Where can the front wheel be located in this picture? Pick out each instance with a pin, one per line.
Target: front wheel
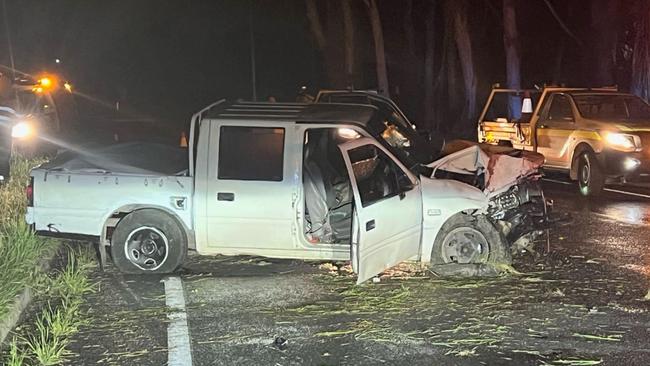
(591, 179)
(469, 240)
(148, 241)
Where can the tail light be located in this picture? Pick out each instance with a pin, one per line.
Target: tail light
(29, 192)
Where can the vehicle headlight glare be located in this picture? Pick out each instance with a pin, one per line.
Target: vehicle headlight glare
(630, 163)
(348, 133)
(620, 141)
(21, 130)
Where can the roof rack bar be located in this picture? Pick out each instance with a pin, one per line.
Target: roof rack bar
(196, 119)
(247, 115)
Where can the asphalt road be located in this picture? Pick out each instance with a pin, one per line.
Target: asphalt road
(580, 304)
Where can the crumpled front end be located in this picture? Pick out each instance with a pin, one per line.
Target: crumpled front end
(521, 213)
(510, 180)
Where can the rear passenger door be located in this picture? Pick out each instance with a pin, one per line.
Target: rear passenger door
(250, 190)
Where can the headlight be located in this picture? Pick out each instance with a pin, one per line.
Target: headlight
(622, 142)
(21, 130)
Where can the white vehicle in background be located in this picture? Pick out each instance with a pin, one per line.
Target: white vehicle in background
(306, 181)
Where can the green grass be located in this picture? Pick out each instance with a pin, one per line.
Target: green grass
(21, 253)
(16, 357)
(20, 249)
(46, 347)
(13, 202)
(45, 342)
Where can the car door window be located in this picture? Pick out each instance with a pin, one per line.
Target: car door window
(560, 110)
(251, 153)
(378, 177)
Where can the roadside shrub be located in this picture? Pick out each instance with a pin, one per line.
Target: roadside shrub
(20, 252)
(20, 249)
(13, 203)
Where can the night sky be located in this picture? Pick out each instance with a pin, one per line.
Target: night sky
(165, 59)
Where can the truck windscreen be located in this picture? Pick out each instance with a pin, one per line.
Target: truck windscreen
(612, 107)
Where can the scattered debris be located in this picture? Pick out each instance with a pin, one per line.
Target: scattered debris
(281, 343)
(575, 362)
(613, 337)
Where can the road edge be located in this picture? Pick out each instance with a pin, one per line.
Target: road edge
(24, 298)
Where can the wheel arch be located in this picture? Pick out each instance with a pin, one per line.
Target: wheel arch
(112, 220)
(580, 148)
(431, 232)
(499, 246)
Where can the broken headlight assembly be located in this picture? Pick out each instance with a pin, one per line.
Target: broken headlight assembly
(503, 202)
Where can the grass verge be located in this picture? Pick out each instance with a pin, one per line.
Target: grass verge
(20, 250)
(45, 341)
(21, 254)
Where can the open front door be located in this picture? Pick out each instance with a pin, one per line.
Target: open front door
(388, 208)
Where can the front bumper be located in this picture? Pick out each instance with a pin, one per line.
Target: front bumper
(629, 166)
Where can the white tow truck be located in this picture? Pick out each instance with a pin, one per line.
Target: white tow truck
(306, 181)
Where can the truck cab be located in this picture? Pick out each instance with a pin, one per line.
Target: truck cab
(597, 136)
(315, 182)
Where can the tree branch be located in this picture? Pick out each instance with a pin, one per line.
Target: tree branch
(562, 24)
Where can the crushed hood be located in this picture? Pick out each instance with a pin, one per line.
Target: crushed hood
(501, 165)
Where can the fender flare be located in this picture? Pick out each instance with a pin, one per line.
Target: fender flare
(124, 210)
(430, 233)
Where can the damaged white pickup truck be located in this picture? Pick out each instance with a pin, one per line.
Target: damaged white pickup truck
(307, 181)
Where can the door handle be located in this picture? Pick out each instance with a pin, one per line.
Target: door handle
(225, 196)
(370, 225)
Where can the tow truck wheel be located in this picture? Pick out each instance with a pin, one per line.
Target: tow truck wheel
(466, 239)
(148, 241)
(591, 179)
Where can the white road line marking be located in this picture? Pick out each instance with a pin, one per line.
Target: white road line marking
(605, 189)
(179, 352)
(628, 193)
(556, 181)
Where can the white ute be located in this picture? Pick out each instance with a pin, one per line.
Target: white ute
(277, 180)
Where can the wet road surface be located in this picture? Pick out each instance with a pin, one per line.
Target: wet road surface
(580, 304)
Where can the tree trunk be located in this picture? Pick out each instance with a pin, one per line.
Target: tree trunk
(511, 45)
(409, 31)
(429, 64)
(380, 55)
(315, 24)
(641, 56)
(348, 42)
(464, 46)
(604, 28)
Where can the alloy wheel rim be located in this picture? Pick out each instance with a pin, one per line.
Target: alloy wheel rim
(147, 248)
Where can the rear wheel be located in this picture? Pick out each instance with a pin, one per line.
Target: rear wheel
(591, 179)
(148, 241)
(466, 239)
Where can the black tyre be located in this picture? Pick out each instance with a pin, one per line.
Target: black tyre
(591, 179)
(148, 241)
(466, 239)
